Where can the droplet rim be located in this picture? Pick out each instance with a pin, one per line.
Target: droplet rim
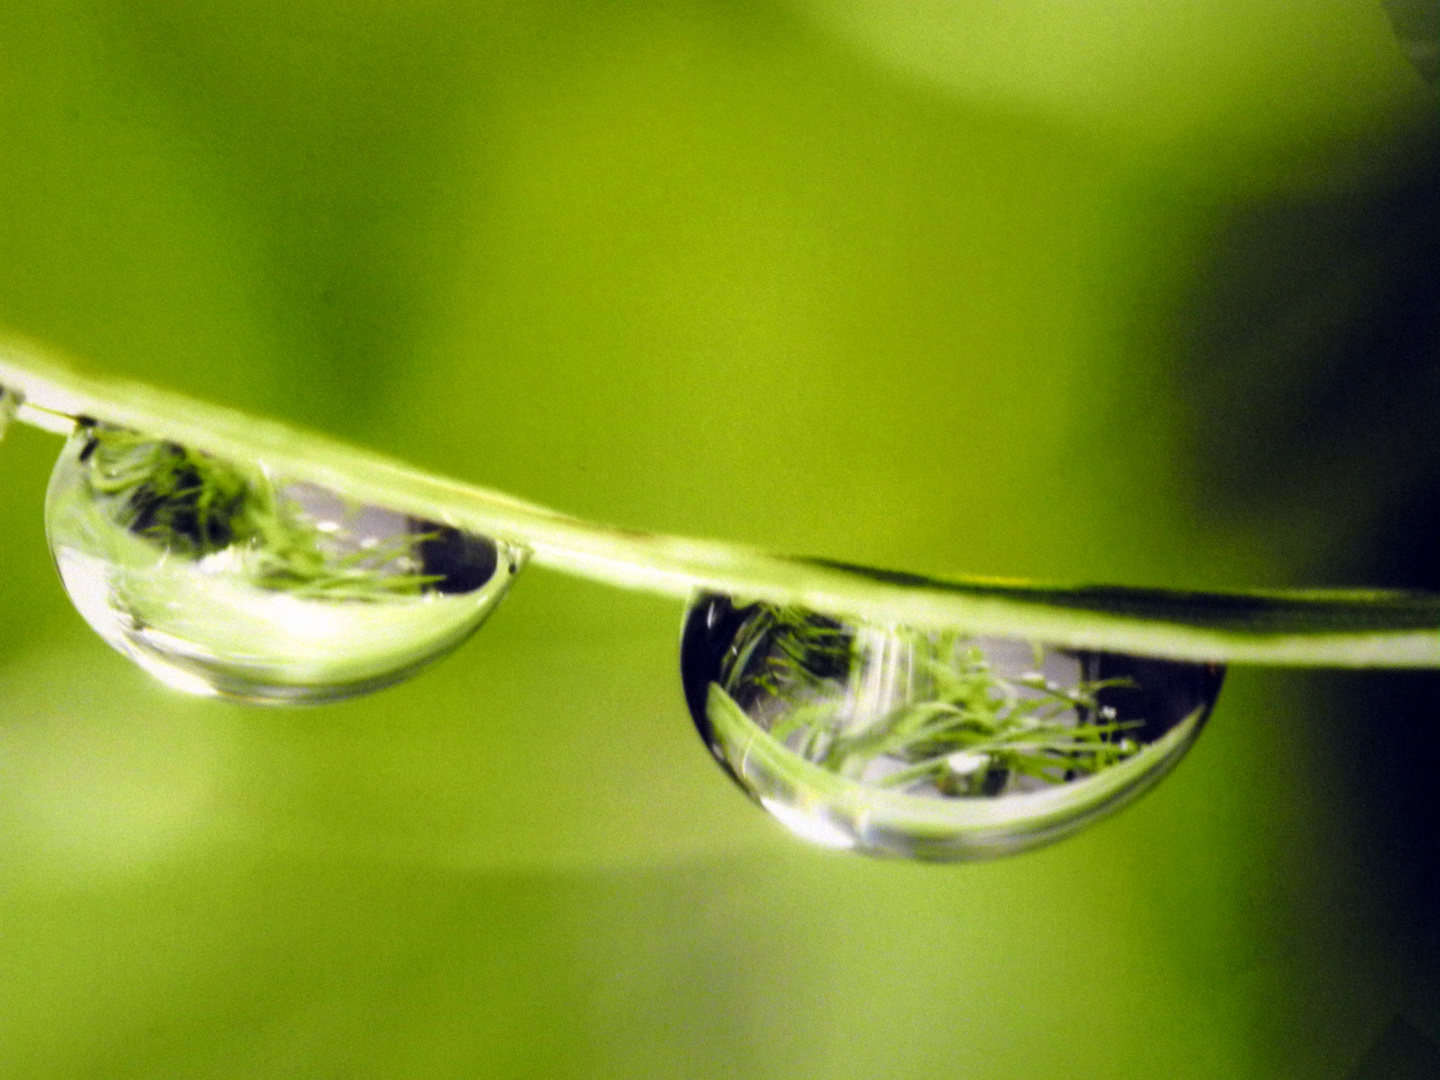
(940, 829)
(885, 822)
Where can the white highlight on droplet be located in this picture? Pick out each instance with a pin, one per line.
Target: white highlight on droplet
(815, 829)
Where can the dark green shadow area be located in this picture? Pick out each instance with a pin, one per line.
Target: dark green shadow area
(1400, 1053)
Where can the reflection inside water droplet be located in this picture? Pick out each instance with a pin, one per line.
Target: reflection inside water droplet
(221, 579)
(930, 744)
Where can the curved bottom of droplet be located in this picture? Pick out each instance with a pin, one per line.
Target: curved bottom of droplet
(1163, 705)
(264, 661)
(252, 688)
(835, 812)
(222, 580)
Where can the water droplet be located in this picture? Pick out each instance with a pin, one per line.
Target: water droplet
(220, 579)
(930, 744)
(10, 402)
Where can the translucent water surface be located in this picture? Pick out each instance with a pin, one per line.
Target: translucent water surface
(222, 579)
(930, 744)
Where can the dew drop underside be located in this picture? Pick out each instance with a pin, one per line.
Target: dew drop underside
(219, 578)
(930, 744)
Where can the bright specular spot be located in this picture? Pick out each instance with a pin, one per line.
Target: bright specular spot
(930, 744)
(808, 827)
(218, 578)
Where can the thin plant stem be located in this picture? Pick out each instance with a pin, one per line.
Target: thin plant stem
(1341, 628)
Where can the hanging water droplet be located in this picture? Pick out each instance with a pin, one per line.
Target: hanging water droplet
(10, 402)
(929, 744)
(220, 579)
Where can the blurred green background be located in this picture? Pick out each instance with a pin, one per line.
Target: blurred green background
(1114, 291)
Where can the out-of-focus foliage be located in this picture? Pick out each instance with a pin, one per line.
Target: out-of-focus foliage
(1125, 292)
